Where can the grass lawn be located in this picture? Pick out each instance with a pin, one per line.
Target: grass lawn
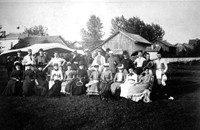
(81, 112)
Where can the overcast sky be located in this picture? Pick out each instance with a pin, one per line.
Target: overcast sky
(179, 19)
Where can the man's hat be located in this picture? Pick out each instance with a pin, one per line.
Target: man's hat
(69, 64)
(19, 51)
(55, 64)
(120, 66)
(81, 64)
(86, 50)
(29, 65)
(29, 50)
(17, 63)
(8, 57)
(110, 52)
(40, 50)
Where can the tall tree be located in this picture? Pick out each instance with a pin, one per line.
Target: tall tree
(93, 35)
(36, 30)
(136, 26)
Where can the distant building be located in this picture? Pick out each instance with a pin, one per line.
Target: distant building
(164, 47)
(10, 40)
(31, 40)
(125, 41)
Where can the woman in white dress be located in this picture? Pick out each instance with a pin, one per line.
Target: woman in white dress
(131, 79)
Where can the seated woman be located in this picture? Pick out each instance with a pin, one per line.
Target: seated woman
(131, 79)
(69, 76)
(55, 83)
(78, 86)
(93, 85)
(106, 81)
(119, 79)
(28, 84)
(14, 86)
(41, 84)
(142, 89)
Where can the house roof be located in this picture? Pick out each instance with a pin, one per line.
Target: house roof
(153, 49)
(45, 39)
(15, 36)
(134, 37)
(164, 42)
(193, 41)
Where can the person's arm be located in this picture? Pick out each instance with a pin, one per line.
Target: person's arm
(166, 67)
(63, 61)
(61, 75)
(115, 77)
(65, 75)
(52, 73)
(50, 62)
(111, 76)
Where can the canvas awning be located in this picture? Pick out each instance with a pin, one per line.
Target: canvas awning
(46, 47)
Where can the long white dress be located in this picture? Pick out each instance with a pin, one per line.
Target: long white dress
(131, 79)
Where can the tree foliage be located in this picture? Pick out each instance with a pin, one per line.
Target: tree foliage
(37, 30)
(93, 35)
(135, 25)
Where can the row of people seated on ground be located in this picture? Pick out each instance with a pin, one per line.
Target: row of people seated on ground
(90, 82)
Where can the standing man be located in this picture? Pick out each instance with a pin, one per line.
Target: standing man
(88, 58)
(56, 60)
(127, 62)
(161, 68)
(148, 63)
(75, 60)
(139, 62)
(100, 60)
(113, 62)
(28, 60)
(41, 59)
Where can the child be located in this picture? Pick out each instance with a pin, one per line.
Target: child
(55, 83)
(119, 78)
(69, 76)
(14, 86)
(92, 86)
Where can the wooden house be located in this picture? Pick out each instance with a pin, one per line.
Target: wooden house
(164, 47)
(125, 41)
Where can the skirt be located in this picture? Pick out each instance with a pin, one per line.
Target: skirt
(105, 90)
(28, 87)
(13, 88)
(66, 86)
(78, 89)
(42, 88)
(139, 92)
(55, 89)
(114, 87)
(139, 70)
(93, 88)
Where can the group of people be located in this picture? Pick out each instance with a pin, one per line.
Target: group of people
(107, 76)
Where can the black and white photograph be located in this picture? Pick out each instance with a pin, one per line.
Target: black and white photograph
(99, 65)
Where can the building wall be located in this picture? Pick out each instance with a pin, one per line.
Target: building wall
(6, 44)
(122, 42)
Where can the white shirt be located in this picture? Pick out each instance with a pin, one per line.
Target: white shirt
(58, 60)
(28, 60)
(159, 65)
(139, 61)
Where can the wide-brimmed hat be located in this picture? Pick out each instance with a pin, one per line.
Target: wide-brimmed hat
(120, 66)
(29, 65)
(17, 63)
(40, 50)
(29, 50)
(19, 51)
(110, 52)
(106, 65)
(81, 64)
